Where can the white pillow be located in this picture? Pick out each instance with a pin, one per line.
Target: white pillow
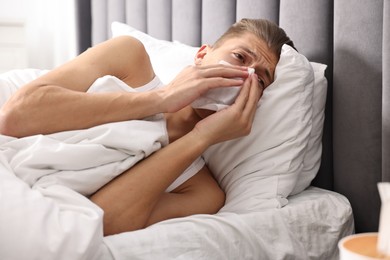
(312, 160)
(262, 169)
(283, 164)
(167, 58)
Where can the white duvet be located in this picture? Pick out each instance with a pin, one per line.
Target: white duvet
(44, 216)
(82, 160)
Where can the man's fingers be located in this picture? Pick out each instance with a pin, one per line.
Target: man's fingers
(223, 71)
(255, 92)
(248, 98)
(223, 82)
(243, 96)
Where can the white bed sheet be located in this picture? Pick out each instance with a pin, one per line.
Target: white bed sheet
(309, 227)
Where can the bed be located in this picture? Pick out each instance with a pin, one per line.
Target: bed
(338, 195)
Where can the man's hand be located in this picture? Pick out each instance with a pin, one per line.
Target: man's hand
(194, 81)
(234, 121)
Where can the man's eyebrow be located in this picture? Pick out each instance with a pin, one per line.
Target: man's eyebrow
(254, 55)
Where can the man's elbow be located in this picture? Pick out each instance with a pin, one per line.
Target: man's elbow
(8, 125)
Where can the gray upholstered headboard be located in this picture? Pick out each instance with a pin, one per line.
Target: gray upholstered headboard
(351, 36)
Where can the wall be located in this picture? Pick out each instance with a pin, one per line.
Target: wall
(37, 33)
(13, 52)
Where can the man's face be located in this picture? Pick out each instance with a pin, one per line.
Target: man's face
(246, 50)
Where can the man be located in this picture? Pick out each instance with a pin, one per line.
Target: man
(137, 198)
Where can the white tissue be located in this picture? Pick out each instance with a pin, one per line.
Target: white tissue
(384, 224)
(219, 98)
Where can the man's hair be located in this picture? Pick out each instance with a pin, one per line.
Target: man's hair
(271, 33)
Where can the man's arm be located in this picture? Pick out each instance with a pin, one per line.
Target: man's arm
(57, 101)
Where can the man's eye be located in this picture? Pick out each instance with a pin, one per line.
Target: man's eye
(240, 57)
(261, 83)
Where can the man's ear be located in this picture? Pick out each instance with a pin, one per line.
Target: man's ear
(201, 53)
